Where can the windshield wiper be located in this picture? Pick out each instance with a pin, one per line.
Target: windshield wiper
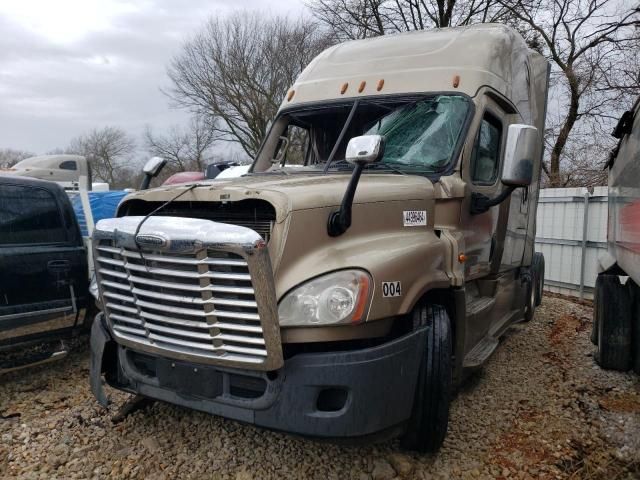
(340, 137)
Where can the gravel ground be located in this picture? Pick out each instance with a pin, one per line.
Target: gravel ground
(540, 408)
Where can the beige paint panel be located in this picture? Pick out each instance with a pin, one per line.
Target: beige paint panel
(424, 61)
(299, 191)
(377, 242)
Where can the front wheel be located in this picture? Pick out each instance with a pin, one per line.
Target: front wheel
(427, 426)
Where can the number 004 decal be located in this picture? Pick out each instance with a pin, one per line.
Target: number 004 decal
(391, 289)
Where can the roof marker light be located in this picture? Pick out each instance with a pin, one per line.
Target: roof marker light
(344, 88)
(456, 81)
(380, 84)
(362, 85)
(290, 96)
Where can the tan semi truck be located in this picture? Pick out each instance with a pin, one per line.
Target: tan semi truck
(346, 297)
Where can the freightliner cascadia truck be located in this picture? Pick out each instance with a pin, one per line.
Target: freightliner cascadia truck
(375, 252)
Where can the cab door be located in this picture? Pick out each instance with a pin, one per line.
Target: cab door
(483, 231)
(42, 263)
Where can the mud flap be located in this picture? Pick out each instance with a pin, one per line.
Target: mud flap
(99, 337)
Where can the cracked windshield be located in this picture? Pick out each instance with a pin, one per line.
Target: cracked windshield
(421, 134)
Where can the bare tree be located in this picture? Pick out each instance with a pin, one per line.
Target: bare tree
(9, 157)
(238, 70)
(592, 45)
(109, 150)
(353, 19)
(184, 149)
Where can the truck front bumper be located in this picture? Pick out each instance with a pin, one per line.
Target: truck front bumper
(335, 394)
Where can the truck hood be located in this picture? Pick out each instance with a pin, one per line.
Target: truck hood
(292, 192)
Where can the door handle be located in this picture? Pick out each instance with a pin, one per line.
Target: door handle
(58, 266)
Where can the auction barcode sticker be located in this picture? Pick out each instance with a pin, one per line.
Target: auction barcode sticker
(414, 218)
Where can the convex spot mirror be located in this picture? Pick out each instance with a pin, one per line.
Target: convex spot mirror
(519, 155)
(365, 149)
(153, 166)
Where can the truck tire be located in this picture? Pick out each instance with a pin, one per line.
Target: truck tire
(635, 329)
(530, 307)
(596, 318)
(429, 419)
(537, 266)
(613, 317)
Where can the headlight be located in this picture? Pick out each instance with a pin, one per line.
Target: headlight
(334, 298)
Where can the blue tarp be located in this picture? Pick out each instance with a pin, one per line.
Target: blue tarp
(103, 205)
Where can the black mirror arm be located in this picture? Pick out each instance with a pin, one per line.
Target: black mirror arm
(146, 181)
(481, 203)
(340, 221)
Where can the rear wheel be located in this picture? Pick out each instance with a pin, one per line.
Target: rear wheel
(430, 417)
(613, 311)
(635, 329)
(530, 308)
(537, 267)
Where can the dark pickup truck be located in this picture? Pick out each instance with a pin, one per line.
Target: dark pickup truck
(43, 264)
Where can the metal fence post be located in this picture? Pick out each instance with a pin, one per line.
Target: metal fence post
(583, 259)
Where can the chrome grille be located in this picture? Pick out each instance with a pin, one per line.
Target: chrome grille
(201, 304)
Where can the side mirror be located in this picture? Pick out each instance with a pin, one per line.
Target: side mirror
(153, 166)
(361, 151)
(517, 170)
(151, 169)
(365, 149)
(519, 155)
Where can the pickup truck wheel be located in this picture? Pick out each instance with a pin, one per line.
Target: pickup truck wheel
(537, 267)
(613, 317)
(428, 423)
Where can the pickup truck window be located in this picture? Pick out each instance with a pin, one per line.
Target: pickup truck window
(421, 133)
(29, 215)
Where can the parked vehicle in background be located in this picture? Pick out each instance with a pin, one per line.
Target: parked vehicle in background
(64, 169)
(617, 298)
(348, 295)
(219, 171)
(43, 265)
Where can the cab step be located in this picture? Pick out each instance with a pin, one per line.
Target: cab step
(37, 359)
(478, 305)
(483, 350)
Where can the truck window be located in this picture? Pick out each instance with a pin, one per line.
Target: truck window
(29, 215)
(486, 152)
(68, 165)
(294, 148)
(421, 133)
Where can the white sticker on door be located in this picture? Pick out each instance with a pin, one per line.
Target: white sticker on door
(391, 289)
(414, 218)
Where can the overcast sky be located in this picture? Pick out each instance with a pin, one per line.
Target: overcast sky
(67, 66)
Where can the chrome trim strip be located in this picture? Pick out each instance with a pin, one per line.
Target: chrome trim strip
(37, 312)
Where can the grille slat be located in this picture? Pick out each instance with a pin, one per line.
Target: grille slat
(178, 260)
(191, 300)
(186, 286)
(134, 331)
(199, 304)
(175, 273)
